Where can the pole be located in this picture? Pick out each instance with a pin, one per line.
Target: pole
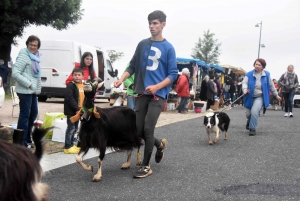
(259, 39)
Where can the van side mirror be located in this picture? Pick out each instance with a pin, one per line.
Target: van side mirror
(116, 73)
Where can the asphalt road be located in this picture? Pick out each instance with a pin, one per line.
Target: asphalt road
(261, 167)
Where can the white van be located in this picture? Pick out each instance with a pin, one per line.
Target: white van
(58, 60)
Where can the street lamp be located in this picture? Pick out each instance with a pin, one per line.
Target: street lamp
(259, 44)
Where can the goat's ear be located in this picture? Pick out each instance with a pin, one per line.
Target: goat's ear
(100, 85)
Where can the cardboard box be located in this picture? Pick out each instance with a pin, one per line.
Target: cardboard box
(215, 106)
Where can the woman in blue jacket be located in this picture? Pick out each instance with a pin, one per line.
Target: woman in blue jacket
(27, 74)
(257, 85)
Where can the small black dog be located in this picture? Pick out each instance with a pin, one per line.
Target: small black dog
(214, 122)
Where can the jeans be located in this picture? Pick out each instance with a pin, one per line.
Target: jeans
(289, 99)
(147, 112)
(253, 113)
(28, 112)
(131, 102)
(182, 104)
(70, 132)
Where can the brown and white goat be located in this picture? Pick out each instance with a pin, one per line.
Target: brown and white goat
(20, 170)
(106, 127)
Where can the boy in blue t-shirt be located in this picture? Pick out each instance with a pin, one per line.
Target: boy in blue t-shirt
(155, 69)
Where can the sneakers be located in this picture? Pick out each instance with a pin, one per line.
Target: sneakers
(29, 146)
(142, 172)
(184, 112)
(276, 107)
(72, 150)
(291, 114)
(252, 132)
(286, 114)
(247, 125)
(160, 151)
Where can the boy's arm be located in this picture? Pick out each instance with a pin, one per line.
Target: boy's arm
(129, 81)
(69, 99)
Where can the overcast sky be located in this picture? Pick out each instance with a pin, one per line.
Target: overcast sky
(119, 25)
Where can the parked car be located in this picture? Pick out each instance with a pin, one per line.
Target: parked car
(2, 93)
(58, 59)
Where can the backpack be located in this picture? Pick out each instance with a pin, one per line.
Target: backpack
(285, 74)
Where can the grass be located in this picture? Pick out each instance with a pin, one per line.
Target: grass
(7, 96)
(53, 147)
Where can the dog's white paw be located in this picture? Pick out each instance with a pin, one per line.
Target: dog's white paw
(97, 177)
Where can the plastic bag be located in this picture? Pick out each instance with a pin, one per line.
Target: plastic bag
(48, 122)
(117, 90)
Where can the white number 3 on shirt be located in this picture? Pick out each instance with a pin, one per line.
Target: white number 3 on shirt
(154, 59)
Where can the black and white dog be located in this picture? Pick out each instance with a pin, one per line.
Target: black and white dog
(214, 122)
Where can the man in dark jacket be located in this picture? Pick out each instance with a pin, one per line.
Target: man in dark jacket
(211, 92)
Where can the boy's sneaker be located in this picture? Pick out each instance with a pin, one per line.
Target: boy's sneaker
(160, 151)
(72, 150)
(291, 114)
(276, 107)
(76, 147)
(142, 172)
(286, 114)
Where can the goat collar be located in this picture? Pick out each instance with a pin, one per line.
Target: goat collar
(89, 112)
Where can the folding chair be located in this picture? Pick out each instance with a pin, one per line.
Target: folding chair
(14, 98)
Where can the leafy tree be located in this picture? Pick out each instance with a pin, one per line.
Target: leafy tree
(207, 49)
(18, 14)
(114, 55)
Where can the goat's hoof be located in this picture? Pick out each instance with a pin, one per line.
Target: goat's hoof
(139, 163)
(215, 141)
(125, 166)
(97, 178)
(225, 138)
(210, 143)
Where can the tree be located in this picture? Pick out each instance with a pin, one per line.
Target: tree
(18, 14)
(208, 49)
(114, 55)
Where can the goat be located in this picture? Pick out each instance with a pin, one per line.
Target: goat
(105, 127)
(20, 170)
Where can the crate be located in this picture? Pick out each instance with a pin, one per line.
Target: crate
(170, 106)
(201, 104)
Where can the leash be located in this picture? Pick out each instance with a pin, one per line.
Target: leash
(233, 102)
(138, 96)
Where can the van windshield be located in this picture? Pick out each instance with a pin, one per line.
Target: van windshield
(109, 68)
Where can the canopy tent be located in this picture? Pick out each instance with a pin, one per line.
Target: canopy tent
(201, 64)
(235, 70)
(217, 68)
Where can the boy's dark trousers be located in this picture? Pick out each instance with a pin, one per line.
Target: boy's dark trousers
(148, 110)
